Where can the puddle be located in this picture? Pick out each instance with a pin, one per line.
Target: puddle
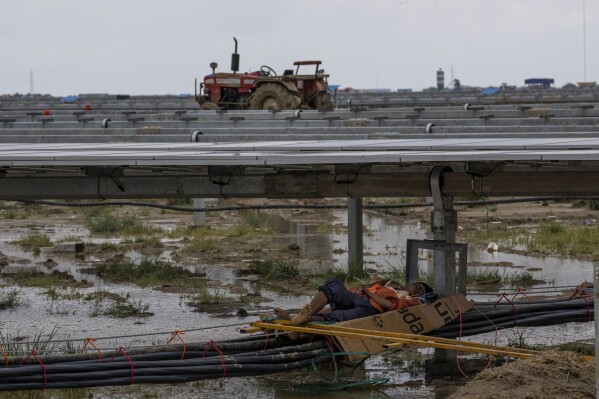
(384, 247)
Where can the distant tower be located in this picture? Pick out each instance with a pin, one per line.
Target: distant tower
(440, 79)
(31, 81)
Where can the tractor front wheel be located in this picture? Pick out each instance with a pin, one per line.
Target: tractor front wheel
(274, 97)
(209, 105)
(323, 102)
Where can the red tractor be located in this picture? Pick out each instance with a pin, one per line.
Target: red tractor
(264, 89)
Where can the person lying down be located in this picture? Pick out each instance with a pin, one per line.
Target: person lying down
(361, 301)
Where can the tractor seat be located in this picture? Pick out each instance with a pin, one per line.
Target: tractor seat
(288, 72)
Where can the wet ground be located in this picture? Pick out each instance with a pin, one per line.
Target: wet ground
(319, 249)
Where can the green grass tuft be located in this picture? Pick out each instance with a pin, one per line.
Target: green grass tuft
(202, 244)
(32, 278)
(483, 277)
(10, 299)
(275, 269)
(109, 223)
(34, 241)
(149, 273)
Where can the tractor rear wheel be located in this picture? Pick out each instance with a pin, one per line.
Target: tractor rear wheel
(323, 102)
(209, 105)
(274, 97)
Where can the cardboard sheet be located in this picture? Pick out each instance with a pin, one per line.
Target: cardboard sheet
(418, 319)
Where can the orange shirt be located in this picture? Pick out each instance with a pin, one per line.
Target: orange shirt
(388, 294)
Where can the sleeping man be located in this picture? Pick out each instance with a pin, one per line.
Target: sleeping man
(356, 302)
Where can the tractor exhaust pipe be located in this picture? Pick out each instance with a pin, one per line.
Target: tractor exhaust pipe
(235, 59)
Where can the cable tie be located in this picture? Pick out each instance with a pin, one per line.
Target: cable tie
(121, 350)
(178, 334)
(34, 354)
(212, 343)
(90, 341)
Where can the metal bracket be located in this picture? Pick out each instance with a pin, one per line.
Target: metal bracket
(412, 248)
(440, 201)
(443, 217)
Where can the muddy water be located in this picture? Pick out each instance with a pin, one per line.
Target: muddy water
(384, 247)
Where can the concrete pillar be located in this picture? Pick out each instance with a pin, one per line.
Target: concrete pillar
(198, 217)
(444, 226)
(355, 237)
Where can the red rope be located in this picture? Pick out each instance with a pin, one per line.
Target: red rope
(177, 334)
(496, 335)
(90, 341)
(502, 296)
(121, 350)
(265, 343)
(212, 343)
(34, 354)
(457, 353)
(581, 289)
(4, 355)
(577, 291)
(520, 291)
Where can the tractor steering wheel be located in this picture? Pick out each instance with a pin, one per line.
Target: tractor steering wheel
(267, 71)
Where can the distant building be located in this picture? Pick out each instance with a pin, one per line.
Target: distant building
(545, 83)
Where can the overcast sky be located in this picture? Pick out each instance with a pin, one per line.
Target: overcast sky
(159, 47)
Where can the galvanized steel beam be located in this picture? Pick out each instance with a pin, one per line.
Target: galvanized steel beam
(304, 184)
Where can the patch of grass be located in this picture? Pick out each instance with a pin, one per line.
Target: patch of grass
(254, 219)
(101, 295)
(518, 340)
(275, 269)
(483, 277)
(109, 223)
(554, 238)
(108, 246)
(95, 211)
(593, 205)
(551, 238)
(144, 241)
(551, 228)
(10, 214)
(34, 241)
(202, 245)
(521, 278)
(150, 273)
(10, 299)
(194, 232)
(27, 278)
(56, 294)
(205, 298)
(122, 310)
(22, 346)
(69, 238)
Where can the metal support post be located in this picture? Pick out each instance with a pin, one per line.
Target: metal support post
(355, 236)
(444, 226)
(198, 217)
